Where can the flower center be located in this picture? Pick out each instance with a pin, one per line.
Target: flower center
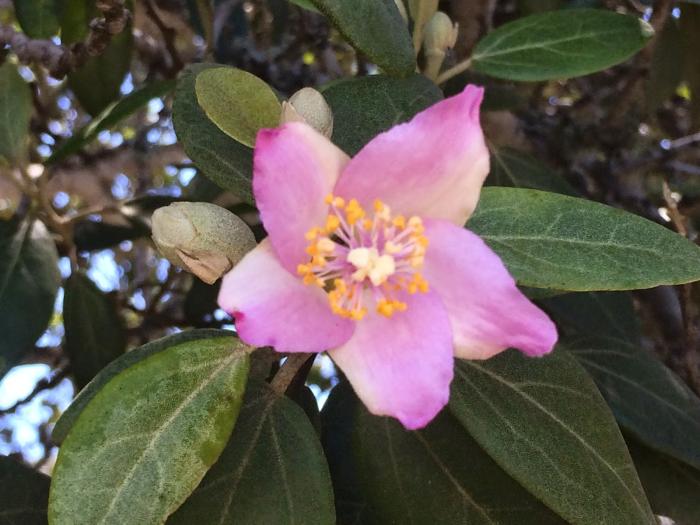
(358, 259)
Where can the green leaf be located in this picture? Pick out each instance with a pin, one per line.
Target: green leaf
(29, 280)
(24, 493)
(510, 167)
(366, 106)
(306, 4)
(337, 423)
(554, 241)
(666, 66)
(560, 44)
(184, 339)
(671, 486)
(147, 438)
(647, 398)
(375, 28)
(545, 423)
(602, 313)
(15, 112)
(436, 475)
(272, 470)
(239, 103)
(110, 117)
(690, 32)
(97, 83)
(95, 334)
(225, 161)
(37, 18)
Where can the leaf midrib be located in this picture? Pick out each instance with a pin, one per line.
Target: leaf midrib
(157, 436)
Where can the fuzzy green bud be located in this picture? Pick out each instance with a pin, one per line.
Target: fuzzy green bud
(202, 238)
(440, 35)
(421, 11)
(308, 105)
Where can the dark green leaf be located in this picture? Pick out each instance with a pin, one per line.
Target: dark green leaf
(554, 241)
(436, 475)
(24, 494)
(545, 423)
(672, 487)
(239, 103)
(37, 18)
(690, 33)
(69, 417)
(647, 398)
(15, 112)
(271, 472)
(95, 334)
(364, 107)
(513, 168)
(29, 280)
(666, 67)
(306, 4)
(225, 161)
(147, 438)
(110, 117)
(337, 423)
(602, 313)
(97, 83)
(375, 28)
(560, 44)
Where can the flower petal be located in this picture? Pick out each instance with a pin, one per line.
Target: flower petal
(274, 308)
(295, 167)
(433, 166)
(401, 366)
(487, 311)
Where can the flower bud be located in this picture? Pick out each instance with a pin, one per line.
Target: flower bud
(440, 35)
(308, 105)
(202, 238)
(421, 11)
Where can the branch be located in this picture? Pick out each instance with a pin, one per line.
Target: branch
(62, 59)
(44, 384)
(284, 377)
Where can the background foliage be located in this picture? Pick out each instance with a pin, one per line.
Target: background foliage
(111, 109)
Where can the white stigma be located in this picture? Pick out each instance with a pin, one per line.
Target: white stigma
(370, 264)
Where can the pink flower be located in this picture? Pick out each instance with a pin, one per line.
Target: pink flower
(368, 258)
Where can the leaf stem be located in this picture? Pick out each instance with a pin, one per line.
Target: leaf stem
(283, 378)
(454, 71)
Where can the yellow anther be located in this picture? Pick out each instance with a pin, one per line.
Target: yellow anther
(332, 223)
(385, 308)
(325, 245)
(312, 234)
(367, 224)
(357, 315)
(354, 212)
(416, 224)
(422, 241)
(378, 205)
(318, 260)
(303, 269)
(312, 250)
(400, 222)
(328, 198)
(339, 203)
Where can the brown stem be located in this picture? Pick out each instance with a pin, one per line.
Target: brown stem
(284, 377)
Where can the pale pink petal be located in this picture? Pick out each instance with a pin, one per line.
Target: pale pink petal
(295, 167)
(401, 366)
(433, 166)
(487, 311)
(271, 307)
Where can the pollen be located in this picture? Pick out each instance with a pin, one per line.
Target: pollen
(365, 258)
